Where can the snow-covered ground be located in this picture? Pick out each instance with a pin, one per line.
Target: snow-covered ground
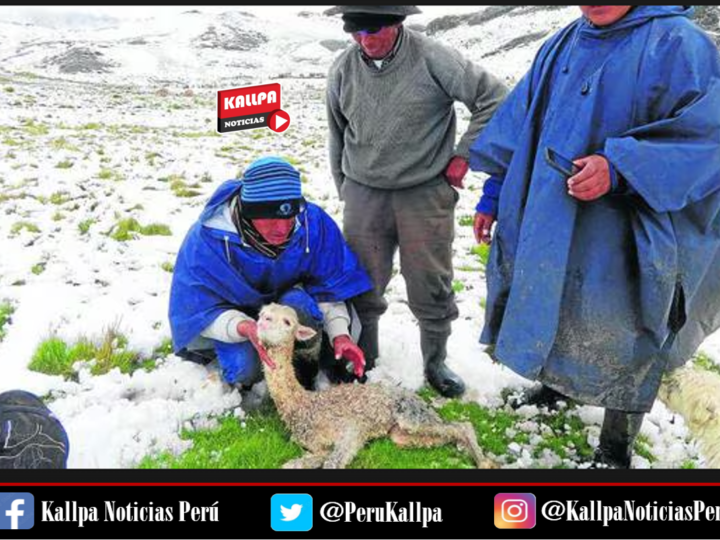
(106, 146)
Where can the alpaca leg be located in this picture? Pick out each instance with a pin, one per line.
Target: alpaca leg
(308, 461)
(437, 434)
(345, 450)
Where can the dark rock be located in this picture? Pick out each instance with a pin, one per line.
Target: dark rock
(80, 60)
(333, 45)
(230, 38)
(492, 12)
(708, 17)
(518, 42)
(445, 23)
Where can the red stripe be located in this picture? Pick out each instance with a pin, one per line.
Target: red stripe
(357, 484)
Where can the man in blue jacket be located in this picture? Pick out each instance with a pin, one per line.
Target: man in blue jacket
(258, 241)
(600, 282)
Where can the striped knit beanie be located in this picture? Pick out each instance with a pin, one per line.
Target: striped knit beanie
(271, 190)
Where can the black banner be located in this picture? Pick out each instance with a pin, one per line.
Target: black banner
(251, 121)
(359, 511)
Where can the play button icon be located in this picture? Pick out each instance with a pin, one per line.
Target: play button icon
(279, 121)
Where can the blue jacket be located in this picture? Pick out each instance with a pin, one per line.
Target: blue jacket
(216, 271)
(597, 299)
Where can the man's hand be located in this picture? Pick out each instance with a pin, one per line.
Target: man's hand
(248, 329)
(456, 171)
(593, 180)
(482, 227)
(345, 348)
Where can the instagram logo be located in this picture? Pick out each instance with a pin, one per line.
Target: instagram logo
(514, 510)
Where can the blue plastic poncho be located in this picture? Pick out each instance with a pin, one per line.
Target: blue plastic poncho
(598, 299)
(215, 271)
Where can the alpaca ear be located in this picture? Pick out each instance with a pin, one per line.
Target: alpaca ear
(303, 333)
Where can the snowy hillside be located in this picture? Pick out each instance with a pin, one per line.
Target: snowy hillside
(109, 152)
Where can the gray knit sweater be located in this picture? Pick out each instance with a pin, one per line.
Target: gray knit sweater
(395, 127)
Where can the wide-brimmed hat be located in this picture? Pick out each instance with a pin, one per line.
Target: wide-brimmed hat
(374, 10)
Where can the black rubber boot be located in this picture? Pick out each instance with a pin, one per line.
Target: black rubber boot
(540, 396)
(336, 371)
(369, 345)
(617, 437)
(438, 375)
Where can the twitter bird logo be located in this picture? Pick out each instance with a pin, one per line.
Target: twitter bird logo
(291, 512)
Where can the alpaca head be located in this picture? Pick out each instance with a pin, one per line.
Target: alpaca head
(278, 325)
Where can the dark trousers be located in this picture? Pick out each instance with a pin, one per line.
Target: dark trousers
(420, 222)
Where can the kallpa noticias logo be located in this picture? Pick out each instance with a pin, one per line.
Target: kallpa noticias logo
(252, 107)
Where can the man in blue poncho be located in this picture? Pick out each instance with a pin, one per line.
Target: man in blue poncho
(600, 282)
(258, 241)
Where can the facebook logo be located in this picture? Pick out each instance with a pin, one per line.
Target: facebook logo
(17, 511)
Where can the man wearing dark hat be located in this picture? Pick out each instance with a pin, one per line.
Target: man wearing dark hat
(394, 160)
(256, 242)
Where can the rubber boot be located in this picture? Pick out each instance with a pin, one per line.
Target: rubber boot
(617, 437)
(438, 375)
(369, 345)
(540, 396)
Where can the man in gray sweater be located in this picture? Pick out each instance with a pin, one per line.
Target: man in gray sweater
(392, 125)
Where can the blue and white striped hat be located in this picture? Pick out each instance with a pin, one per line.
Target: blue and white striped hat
(271, 189)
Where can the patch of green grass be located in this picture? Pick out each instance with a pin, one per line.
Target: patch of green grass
(568, 432)
(38, 268)
(164, 349)
(263, 443)
(84, 226)
(482, 251)
(156, 229)
(466, 221)
(34, 129)
(58, 216)
(6, 310)
(168, 267)
(688, 464)
(181, 188)
(109, 174)
(23, 225)
(642, 448)
(129, 229)
(9, 89)
(61, 143)
(91, 125)
(11, 142)
(59, 197)
(151, 157)
(195, 134)
(458, 286)
(703, 361)
(55, 357)
(65, 164)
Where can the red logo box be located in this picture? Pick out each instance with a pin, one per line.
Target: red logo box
(248, 107)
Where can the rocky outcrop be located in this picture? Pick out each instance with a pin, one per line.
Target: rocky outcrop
(80, 60)
(230, 38)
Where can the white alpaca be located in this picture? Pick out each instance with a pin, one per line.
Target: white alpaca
(694, 393)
